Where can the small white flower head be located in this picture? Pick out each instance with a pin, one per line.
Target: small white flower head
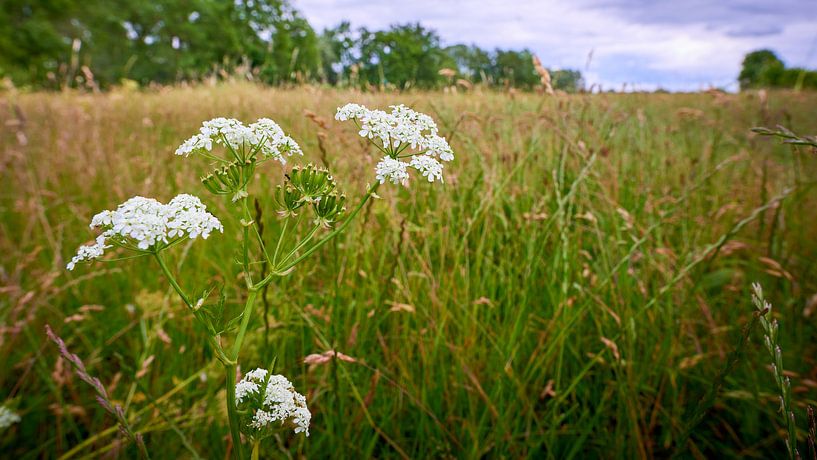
(428, 166)
(147, 225)
(273, 142)
(402, 133)
(269, 403)
(390, 169)
(7, 417)
(89, 252)
(263, 137)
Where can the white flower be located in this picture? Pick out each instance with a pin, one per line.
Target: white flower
(144, 223)
(195, 143)
(7, 417)
(264, 136)
(428, 166)
(257, 374)
(262, 418)
(350, 111)
(391, 169)
(89, 252)
(276, 405)
(244, 388)
(401, 133)
(438, 146)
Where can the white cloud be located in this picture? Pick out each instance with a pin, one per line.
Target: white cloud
(675, 45)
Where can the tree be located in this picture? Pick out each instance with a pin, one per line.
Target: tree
(763, 69)
(514, 68)
(157, 41)
(402, 55)
(34, 44)
(569, 81)
(337, 46)
(55, 43)
(760, 68)
(472, 62)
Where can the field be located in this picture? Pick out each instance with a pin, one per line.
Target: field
(574, 290)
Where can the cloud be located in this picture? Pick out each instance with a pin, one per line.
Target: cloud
(677, 44)
(716, 14)
(754, 31)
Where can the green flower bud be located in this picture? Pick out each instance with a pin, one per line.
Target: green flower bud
(288, 199)
(229, 179)
(312, 182)
(329, 208)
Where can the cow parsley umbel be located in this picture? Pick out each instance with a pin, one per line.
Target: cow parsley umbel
(263, 137)
(146, 225)
(268, 404)
(403, 134)
(262, 404)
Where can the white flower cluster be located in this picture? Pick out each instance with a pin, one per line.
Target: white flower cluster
(143, 222)
(274, 400)
(390, 169)
(398, 131)
(264, 136)
(7, 417)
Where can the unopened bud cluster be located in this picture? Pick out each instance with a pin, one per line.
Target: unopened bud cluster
(314, 187)
(230, 179)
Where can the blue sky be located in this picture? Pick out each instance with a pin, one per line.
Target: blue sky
(677, 45)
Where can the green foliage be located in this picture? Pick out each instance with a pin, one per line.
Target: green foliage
(475, 311)
(335, 47)
(763, 69)
(401, 56)
(511, 68)
(567, 80)
(96, 43)
(160, 41)
(472, 62)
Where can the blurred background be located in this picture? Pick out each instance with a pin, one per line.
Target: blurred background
(591, 45)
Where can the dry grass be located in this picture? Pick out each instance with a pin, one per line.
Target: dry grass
(572, 291)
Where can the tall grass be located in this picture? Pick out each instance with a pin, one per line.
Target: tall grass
(573, 290)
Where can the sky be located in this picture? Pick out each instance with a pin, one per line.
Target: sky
(676, 45)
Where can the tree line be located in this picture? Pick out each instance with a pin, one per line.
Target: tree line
(99, 43)
(763, 69)
(65, 43)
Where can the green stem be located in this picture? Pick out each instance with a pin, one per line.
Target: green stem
(143, 450)
(278, 246)
(334, 232)
(245, 321)
(246, 223)
(231, 411)
(256, 449)
(323, 240)
(257, 233)
(299, 246)
(172, 280)
(229, 364)
(253, 290)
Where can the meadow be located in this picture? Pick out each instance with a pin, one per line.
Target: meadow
(578, 288)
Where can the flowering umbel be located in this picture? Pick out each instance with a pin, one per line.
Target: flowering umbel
(402, 134)
(144, 224)
(269, 403)
(263, 137)
(261, 404)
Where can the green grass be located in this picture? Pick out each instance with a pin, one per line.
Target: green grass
(575, 288)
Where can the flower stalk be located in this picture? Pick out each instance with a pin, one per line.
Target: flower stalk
(262, 404)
